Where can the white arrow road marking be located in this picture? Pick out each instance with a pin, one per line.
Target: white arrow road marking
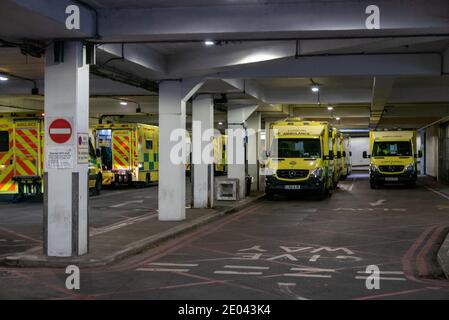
(123, 204)
(377, 203)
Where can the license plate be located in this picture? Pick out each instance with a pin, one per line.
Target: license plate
(391, 179)
(294, 187)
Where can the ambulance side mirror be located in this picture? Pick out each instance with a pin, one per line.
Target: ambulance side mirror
(330, 156)
(338, 154)
(365, 155)
(267, 154)
(344, 154)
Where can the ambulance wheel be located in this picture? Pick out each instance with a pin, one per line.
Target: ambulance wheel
(270, 195)
(98, 185)
(412, 185)
(373, 185)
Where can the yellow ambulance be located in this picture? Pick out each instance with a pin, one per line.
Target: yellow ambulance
(301, 158)
(393, 158)
(129, 153)
(22, 156)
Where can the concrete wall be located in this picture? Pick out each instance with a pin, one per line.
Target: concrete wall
(358, 145)
(431, 151)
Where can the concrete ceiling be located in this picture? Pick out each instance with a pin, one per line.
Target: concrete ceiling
(388, 77)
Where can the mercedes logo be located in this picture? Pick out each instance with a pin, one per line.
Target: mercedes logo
(292, 174)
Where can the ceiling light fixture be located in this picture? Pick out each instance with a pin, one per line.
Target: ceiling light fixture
(337, 118)
(330, 108)
(124, 103)
(315, 88)
(3, 77)
(209, 43)
(220, 123)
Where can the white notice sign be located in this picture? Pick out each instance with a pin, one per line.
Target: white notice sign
(59, 158)
(83, 148)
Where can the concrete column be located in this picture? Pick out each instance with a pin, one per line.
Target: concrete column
(172, 173)
(203, 172)
(254, 124)
(66, 177)
(236, 145)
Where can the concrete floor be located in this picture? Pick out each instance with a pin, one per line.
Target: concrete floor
(291, 248)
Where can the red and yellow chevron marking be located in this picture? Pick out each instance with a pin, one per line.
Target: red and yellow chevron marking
(26, 152)
(7, 184)
(121, 147)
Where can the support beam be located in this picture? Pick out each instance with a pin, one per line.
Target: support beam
(66, 182)
(236, 145)
(382, 88)
(426, 64)
(273, 20)
(203, 171)
(172, 180)
(254, 124)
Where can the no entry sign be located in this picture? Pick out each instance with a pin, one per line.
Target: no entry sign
(60, 131)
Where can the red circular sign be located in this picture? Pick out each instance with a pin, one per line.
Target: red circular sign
(60, 131)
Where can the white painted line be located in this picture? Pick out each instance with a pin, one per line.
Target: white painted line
(239, 273)
(3, 240)
(351, 187)
(306, 275)
(314, 258)
(247, 267)
(437, 192)
(123, 204)
(287, 284)
(122, 224)
(381, 272)
(312, 270)
(162, 264)
(380, 278)
(377, 203)
(162, 270)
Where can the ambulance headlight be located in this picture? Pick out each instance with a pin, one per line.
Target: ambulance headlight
(373, 168)
(317, 173)
(270, 171)
(410, 167)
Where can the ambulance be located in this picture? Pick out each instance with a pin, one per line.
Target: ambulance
(129, 153)
(393, 158)
(337, 152)
(301, 158)
(22, 157)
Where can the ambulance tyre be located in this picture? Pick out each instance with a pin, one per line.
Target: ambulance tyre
(412, 184)
(270, 195)
(372, 184)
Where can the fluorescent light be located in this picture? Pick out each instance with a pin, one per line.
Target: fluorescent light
(3, 78)
(124, 103)
(209, 43)
(315, 88)
(330, 108)
(337, 118)
(220, 123)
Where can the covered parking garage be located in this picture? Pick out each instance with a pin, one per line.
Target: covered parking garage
(245, 66)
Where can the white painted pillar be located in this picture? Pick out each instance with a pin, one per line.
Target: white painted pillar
(236, 145)
(172, 175)
(203, 172)
(66, 184)
(254, 124)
